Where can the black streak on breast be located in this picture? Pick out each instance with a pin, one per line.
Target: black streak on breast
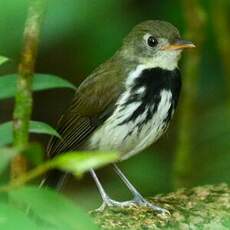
(154, 80)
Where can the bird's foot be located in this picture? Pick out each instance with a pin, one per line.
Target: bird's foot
(113, 204)
(139, 201)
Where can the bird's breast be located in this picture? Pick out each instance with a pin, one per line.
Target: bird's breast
(142, 112)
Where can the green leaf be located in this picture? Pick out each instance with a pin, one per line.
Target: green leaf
(34, 153)
(52, 208)
(74, 162)
(40, 82)
(6, 131)
(11, 218)
(6, 154)
(43, 128)
(3, 60)
(80, 162)
(6, 135)
(45, 81)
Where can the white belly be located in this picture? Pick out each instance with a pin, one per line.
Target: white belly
(133, 136)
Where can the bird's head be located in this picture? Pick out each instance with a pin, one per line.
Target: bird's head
(154, 44)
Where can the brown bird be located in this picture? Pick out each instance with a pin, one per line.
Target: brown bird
(127, 103)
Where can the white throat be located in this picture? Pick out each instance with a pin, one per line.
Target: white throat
(167, 60)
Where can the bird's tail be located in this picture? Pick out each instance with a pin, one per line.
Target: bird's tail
(55, 179)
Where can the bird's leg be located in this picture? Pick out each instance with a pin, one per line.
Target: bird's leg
(104, 195)
(107, 201)
(138, 199)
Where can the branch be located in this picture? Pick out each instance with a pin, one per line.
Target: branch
(206, 207)
(23, 101)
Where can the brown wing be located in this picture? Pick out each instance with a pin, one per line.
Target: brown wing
(92, 104)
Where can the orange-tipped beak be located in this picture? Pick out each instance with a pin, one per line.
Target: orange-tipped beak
(179, 44)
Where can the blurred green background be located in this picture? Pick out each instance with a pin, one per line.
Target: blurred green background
(79, 35)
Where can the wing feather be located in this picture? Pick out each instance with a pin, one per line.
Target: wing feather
(93, 102)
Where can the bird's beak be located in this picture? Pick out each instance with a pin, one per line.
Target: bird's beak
(179, 44)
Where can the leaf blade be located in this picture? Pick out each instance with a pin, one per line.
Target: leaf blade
(79, 162)
(3, 60)
(53, 208)
(46, 81)
(77, 165)
(6, 154)
(43, 128)
(40, 82)
(12, 218)
(6, 131)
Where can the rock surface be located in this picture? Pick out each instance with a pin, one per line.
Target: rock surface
(205, 207)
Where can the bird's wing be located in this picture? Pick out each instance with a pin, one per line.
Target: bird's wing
(93, 102)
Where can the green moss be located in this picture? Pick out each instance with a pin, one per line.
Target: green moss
(206, 207)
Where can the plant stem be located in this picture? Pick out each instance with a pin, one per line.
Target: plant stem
(24, 178)
(183, 160)
(221, 27)
(23, 101)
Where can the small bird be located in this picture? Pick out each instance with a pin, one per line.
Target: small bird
(127, 103)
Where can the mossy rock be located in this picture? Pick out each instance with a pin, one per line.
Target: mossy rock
(205, 207)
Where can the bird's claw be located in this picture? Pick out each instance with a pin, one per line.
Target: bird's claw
(144, 203)
(133, 203)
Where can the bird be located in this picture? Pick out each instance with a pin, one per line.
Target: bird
(126, 104)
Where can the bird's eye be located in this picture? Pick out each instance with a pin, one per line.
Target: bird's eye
(152, 42)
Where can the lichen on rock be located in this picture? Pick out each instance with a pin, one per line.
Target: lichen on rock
(204, 207)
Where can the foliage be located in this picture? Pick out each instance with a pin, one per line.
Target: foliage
(6, 155)
(3, 60)
(40, 82)
(35, 208)
(32, 209)
(6, 131)
(20, 221)
(51, 209)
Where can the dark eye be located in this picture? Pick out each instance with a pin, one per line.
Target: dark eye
(152, 42)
